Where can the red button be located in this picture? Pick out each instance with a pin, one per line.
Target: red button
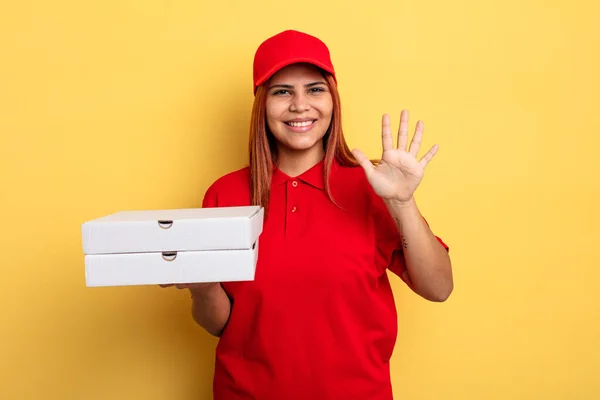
(294, 183)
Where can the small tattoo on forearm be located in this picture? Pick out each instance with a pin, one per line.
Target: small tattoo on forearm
(398, 224)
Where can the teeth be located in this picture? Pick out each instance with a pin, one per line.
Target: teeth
(298, 124)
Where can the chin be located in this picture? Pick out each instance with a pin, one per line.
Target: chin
(303, 141)
(301, 145)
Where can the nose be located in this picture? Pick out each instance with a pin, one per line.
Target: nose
(299, 103)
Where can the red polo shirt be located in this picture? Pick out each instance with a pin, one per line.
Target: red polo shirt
(319, 320)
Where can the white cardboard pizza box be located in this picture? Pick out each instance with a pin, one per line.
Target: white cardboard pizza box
(220, 228)
(172, 246)
(127, 269)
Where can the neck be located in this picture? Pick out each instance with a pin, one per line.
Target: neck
(294, 163)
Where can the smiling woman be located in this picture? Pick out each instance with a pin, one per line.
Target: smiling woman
(319, 320)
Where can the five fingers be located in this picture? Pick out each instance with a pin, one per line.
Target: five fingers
(415, 143)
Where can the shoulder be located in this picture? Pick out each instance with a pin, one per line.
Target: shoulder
(231, 189)
(349, 185)
(354, 179)
(232, 180)
(345, 174)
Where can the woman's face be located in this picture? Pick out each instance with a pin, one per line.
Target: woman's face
(299, 108)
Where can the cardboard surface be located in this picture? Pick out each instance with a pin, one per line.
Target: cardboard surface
(223, 228)
(170, 267)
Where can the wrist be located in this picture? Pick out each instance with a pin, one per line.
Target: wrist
(400, 204)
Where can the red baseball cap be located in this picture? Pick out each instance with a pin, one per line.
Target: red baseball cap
(289, 47)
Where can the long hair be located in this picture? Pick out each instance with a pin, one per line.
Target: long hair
(263, 150)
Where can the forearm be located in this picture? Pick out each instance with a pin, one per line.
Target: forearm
(211, 308)
(428, 266)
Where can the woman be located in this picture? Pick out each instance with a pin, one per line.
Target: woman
(319, 320)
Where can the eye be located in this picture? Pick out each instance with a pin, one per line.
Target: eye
(281, 92)
(316, 89)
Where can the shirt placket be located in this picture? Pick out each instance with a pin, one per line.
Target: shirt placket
(292, 207)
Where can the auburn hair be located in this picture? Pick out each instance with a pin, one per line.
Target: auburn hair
(263, 148)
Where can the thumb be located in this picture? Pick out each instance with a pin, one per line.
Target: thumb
(364, 161)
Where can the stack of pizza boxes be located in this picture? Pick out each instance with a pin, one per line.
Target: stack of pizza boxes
(148, 247)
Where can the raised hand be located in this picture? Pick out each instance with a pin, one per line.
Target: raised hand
(399, 174)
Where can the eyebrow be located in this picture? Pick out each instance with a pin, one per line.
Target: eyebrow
(308, 85)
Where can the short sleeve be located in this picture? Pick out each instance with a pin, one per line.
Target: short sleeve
(211, 198)
(388, 243)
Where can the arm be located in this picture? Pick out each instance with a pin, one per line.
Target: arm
(428, 267)
(210, 307)
(395, 179)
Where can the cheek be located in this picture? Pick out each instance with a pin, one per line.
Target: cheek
(325, 106)
(273, 114)
(327, 111)
(270, 122)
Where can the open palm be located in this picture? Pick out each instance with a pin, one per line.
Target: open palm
(399, 173)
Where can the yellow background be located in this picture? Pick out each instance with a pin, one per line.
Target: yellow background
(139, 104)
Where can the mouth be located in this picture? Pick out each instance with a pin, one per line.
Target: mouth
(301, 125)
